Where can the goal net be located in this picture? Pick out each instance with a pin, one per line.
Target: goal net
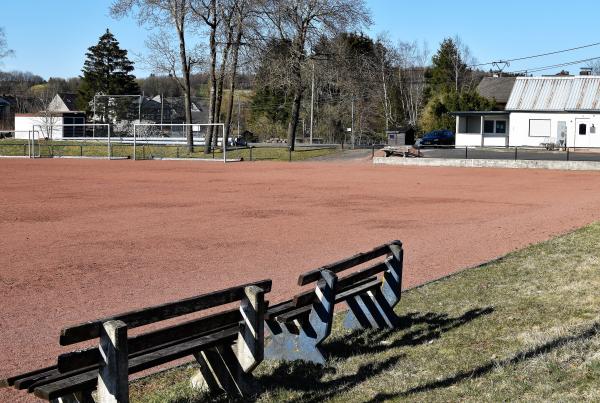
(169, 141)
(71, 140)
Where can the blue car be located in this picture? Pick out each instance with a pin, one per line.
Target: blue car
(436, 138)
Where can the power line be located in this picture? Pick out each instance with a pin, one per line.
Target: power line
(536, 56)
(554, 66)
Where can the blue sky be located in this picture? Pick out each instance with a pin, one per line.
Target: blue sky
(50, 37)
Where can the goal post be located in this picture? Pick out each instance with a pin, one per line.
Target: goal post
(174, 134)
(79, 132)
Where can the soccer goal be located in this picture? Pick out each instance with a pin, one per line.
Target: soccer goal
(169, 141)
(92, 140)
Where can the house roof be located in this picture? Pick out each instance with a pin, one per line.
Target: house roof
(498, 88)
(555, 94)
(69, 100)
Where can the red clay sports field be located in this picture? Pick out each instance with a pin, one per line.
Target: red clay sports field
(80, 239)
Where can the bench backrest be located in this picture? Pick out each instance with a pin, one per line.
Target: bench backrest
(392, 251)
(91, 330)
(392, 248)
(161, 338)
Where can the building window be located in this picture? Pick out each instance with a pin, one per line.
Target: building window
(582, 129)
(500, 126)
(488, 126)
(539, 128)
(494, 126)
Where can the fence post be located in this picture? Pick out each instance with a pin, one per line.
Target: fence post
(373, 151)
(177, 151)
(466, 152)
(81, 150)
(567, 154)
(24, 149)
(516, 152)
(290, 151)
(250, 153)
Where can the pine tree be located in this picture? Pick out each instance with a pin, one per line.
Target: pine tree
(448, 67)
(107, 70)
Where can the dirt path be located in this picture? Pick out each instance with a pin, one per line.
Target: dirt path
(82, 239)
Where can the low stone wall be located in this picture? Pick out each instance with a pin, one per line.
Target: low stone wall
(488, 163)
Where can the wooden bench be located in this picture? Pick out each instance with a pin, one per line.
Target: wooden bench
(403, 151)
(299, 326)
(228, 345)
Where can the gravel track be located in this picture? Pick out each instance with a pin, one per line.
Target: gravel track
(80, 239)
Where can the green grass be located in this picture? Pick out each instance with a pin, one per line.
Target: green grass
(13, 147)
(524, 327)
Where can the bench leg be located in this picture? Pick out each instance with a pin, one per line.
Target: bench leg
(222, 368)
(113, 382)
(302, 339)
(78, 397)
(375, 309)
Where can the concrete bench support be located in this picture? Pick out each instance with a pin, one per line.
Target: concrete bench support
(113, 382)
(301, 340)
(228, 368)
(375, 309)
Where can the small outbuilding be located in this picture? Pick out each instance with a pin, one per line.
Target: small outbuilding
(404, 136)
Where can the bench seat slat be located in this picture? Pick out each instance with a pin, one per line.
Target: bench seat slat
(340, 297)
(91, 330)
(88, 380)
(5, 383)
(172, 334)
(315, 275)
(279, 308)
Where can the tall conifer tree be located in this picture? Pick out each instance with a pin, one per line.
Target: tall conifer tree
(107, 70)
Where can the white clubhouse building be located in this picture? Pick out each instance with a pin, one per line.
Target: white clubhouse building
(560, 110)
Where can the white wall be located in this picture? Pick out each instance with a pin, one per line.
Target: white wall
(519, 129)
(468, 139)
(479, 139)
(25, 124)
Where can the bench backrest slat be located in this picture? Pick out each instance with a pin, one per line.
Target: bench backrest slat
(307, 297)
(146, 341)
(91, 330)
(360, 258)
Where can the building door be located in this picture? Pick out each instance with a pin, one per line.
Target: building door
(582, 133)
(561, 133)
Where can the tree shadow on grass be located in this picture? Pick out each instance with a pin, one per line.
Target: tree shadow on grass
(482, 370)
(307, 378)
(428, 327)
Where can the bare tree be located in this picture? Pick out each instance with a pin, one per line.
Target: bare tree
(462, 61)
(242, 10)
(411, 63)
(301, 23)
(4, 50)
(177, 15)
(595, 66)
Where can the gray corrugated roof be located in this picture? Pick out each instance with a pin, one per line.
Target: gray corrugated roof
(498, 88)
(555, 94)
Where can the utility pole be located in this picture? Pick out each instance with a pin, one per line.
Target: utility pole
(312, 102)
(94, 118)
(162, 111)
(239, 113)
(352, 126)
(140, 108)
